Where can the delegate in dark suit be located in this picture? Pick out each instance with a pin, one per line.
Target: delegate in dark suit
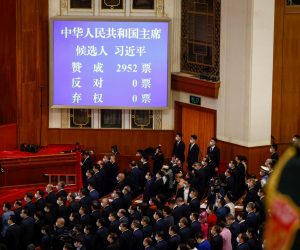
(126, 240)
(137, 240)
(27, 230)
(193, 155)
(215, 152)
(100, 241)
(12, 237)
(178, 150)
(173, 242)
(161, 245)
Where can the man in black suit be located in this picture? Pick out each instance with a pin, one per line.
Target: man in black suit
(145, 165)
(85, 218)
(106, 209)
(60, 187)
(99, 177)
(234, 228)
(194, 204)
(18, 208)
(93, 193)
(39, 200)
(147, 243)
(178, 148)
(184, 192)
(125, 236)
(85, 200)
(174, 239)
(184, 230)
(160, 224)
(73, 204)
(251, 219)
(148, 191)
(161, 244)
(180, 210)
(101, 235)
(137, 239)
(51, 197)
(193, 152)
(117, 202)
(27, 229)
(147, 229)
(195, 226)
(135, 179)
(62, 208)
(242, 242)
(214, 151)
(29, 204)
(86, 163)
(114, 223)
(13, 234)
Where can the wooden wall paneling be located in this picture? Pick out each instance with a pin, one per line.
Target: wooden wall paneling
(277, 68)
(195, 85)
(8, 80)
(256, 156)
(128, 141)
(290, 112)
(286, 77)
(8, 137)
(31, 65)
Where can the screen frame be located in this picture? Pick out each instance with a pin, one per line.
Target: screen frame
(112, 19)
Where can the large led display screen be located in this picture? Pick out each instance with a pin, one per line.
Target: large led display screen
(109, 63)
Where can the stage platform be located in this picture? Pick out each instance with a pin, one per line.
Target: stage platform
(26, 172)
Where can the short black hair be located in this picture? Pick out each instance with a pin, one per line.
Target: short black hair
(194, 137)
(275, 146)
(179, 134)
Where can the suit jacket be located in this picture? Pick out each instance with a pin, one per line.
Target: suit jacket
(63, 212)
(12, 237)
(216, 154)
(27, 231)
(178, 150)
(193, 155)
(94, 195)
(62, 193)
(147, 231)
(117, 204)
(137, 239)
(31, 208)
(235, 231)
(180, 211)
(99, 177)
(194, 205)
(85, 201)
(216, 242)
(195, 227)
(85, 220)
(173, 242)
(126, 240)
(184, 234)
(243, 246)
(100, 242)
(40, 204)
(114, 227)
(160, 226)
(51, 199)
(252, 220)
(161, 245)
